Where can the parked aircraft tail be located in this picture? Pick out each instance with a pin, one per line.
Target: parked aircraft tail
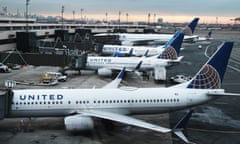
(211, 74)
(190, 28)
(172, 47)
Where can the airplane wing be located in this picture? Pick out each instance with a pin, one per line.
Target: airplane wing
(125, 120)
(181, 125)
(116, 81)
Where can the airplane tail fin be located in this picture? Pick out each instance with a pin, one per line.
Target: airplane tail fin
(209, 35)
(211, 74)
(190, 28)
(181, 125)
(172, 47)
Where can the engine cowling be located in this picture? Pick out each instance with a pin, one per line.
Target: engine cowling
(78, 123)
(104, 72)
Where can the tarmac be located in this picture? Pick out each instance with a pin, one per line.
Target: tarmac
(217, 122)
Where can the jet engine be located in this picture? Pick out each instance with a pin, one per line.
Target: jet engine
(78, 123)
(104, 72)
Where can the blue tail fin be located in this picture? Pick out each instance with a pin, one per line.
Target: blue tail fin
(209, 34)
(211, 74)
(172, 47)
(190, 28)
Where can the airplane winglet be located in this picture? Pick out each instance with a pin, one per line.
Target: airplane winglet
(130, 52)
(119, 54)
(181, 125)
(146, 53)
(117, 80)
(121, 74)
(138, 65)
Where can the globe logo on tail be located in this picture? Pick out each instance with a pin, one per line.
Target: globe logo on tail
(207, 78)
(169, 53)
(188, 31)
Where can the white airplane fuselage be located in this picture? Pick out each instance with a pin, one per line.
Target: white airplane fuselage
(64, 102)
(129, 39)
(94, 63)
(137, 50)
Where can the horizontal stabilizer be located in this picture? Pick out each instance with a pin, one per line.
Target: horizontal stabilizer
(223, 94)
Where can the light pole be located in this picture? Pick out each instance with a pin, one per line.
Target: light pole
(27, 26)
(119, 16)
(154, 19)
(81, 14)
(73, 16)
(62, 16)
(127, 17)
(106, 14)
(149, 15)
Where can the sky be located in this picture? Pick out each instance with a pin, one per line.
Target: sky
(209, 11)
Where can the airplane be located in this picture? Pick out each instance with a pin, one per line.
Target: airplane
(121, 50)
(106, 65)
(130, 39)
(80, 106)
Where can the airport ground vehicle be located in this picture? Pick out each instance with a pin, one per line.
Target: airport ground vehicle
(49, 77)
(4, 68)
